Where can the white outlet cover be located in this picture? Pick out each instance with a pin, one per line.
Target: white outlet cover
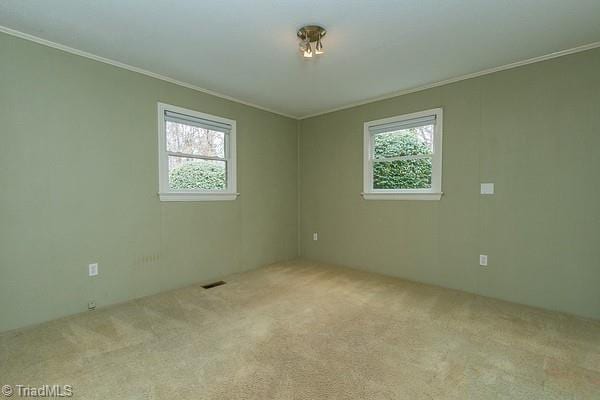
(483, 260)
(93, 269)
(315, 236)
(487, 188)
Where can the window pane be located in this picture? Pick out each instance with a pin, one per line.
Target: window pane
(190, 139)
(402, 174)
(405, 142)
(192, 173)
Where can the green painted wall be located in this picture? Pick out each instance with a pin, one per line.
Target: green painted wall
(78, 172)
(534, 131)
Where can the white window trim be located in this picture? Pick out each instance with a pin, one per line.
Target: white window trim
(167, 194)
(434, 193)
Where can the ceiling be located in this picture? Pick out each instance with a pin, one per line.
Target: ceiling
(248, 50)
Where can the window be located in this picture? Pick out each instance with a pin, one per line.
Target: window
(196, 155)
(403, 157)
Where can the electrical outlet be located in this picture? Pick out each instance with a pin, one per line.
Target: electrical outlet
(487, 188)
(483, 260)
(93, 269)
(315, 236)
(92, 305)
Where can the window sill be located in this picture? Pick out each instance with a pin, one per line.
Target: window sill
(197, 196)
(401, 196)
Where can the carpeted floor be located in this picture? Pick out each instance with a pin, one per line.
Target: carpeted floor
(305, 331)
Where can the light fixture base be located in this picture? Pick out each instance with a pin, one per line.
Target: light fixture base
(312, 32)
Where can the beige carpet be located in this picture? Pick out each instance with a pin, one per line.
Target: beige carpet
(306, 331)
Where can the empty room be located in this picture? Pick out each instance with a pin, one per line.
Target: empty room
(335, 199)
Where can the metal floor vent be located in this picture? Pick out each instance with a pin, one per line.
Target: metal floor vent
(214, 284)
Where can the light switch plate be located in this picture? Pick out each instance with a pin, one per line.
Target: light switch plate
(487, 188)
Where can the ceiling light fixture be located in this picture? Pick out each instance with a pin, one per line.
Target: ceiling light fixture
(311, 34)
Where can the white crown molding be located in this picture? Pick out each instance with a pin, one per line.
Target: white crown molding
(488, 71)
(142, 71)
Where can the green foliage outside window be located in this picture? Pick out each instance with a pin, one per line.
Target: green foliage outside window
(198, 175)
(401, 174)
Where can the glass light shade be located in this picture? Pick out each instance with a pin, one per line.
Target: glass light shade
(319, 47)
(308, 52)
